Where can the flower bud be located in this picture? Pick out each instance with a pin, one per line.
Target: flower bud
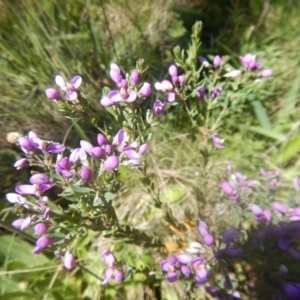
(44, 242)
(158, 108)
(111, 163)
(69, 260)
(173, 70)
(21, 163)
(18, 223)
(266, 73)
(135, 77)
(86, 173)
(217, 61)
(145, 90)
(52, 94)
(40, 228)
(181, 79)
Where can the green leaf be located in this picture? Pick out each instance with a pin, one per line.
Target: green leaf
(13, 249)
(289, 151)
(268, 133)
(80, 190)
(109, 196)
(173, 194)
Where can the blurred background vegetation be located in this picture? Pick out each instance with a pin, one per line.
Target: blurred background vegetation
(40, 39)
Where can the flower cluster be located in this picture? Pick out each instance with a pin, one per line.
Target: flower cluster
(250, 63)
(113, 271)
(129, 89)
(70, 89)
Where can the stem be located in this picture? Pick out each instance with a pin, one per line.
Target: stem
(18, 232)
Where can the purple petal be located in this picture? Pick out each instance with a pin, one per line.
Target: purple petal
(15, 198)
(76, 81)
(86, 146)
(184, 258)
(21, 163)
(106, 102)
(26, 189)
(101, 139)
(186, 271)
(55, 148)
(40, 179)
(18, 223)
(132, 97)
(172, 276)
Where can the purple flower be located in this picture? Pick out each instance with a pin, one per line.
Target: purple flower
(231, 235)
(108, 257)
(202, 274)
(201, 92)
(36, 189)
(280, 207)
(218, 141)
(15, 198)
(46, 215)
(230, 191)
(69, 260)
(269, 174)
(203, 61)
(18, 223)
(249, 62)
(26, 223)
(164, 86)
(63, 168)
(216, 93)
(40, 179)
(261, 216)
(170, 266)
(207, 237)
(108, 275)
(21, 163)
(158, 107)
(26, 144)
(71, 87)
(292, 290)
(52, 94)
(40, 228)
(217, 61)
(274, 184)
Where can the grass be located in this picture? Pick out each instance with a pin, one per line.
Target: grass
(42, 38)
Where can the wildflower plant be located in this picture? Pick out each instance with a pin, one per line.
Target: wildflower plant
(72, 191)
